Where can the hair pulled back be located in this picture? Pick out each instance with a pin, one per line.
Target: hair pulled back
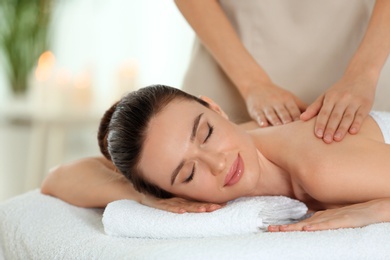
(122, 131)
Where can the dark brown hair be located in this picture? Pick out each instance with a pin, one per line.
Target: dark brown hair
(122, 131)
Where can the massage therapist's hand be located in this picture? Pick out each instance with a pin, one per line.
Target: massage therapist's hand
(179, 205)
(341, 109)
(272, 105)
(357, 215)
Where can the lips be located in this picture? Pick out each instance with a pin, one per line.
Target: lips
(235, 172)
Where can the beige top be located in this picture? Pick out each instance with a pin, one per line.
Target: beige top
(303, 45)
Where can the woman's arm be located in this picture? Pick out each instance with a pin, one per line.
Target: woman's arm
(94, 182)
(89, 182)
(357, 215)
(263, 98)
(343, 106)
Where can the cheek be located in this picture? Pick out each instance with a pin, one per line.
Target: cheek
(235, 136)
(202, 188)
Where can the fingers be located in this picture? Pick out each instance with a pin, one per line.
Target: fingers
(328, 121)
(313, 225)
(340, 110)
(333, 124)
(180, 205)
(272, 116)
(200, 208)
(313, 109)
(278, 114)
(260, 118)
(338, 125)
(359, 117)
(301, 227)
(188, 206)
(272, 105)
(333, 121)
(319, 221)
(294, 109)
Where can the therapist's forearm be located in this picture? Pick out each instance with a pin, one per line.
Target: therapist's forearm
(216, 33)
(374, 49)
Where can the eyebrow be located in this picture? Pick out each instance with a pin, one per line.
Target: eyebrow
(192, 137)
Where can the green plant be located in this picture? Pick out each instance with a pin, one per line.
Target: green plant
(24, 27)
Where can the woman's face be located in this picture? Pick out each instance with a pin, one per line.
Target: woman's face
(194, 152)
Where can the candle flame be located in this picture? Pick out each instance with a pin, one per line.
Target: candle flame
(45, 66)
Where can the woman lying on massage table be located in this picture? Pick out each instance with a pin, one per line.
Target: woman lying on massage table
(171, 144)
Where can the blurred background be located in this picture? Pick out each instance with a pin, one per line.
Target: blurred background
(64, 62)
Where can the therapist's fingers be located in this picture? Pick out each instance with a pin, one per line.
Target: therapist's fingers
(351, 122)
(358, 120)
(343, 120)
(272, 116)
(283, 114)
(288, 111)
(269, 104)
(260, 118)
(294, 110)
(313, 109)
(324, 113)
(278, 114)
(344, 125)
(333, 122)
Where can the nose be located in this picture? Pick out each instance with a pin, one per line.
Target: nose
(216, 161)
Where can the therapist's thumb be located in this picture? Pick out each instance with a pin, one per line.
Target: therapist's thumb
(312, 110)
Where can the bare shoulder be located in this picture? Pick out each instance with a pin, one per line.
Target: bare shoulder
(352, 170)
(295, 144)
(369, 129)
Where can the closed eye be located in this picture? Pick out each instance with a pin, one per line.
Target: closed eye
(191, 177)
(211, 130)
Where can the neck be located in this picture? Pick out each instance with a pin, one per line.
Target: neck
(273, 180)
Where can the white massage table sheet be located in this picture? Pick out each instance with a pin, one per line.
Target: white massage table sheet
(36, 226)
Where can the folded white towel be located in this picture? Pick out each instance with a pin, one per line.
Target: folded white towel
(126, 218)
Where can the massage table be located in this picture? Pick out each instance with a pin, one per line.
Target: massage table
(37, 226)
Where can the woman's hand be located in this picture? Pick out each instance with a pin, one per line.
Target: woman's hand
(341, 109)
(357, 215)
(272, 105)
(179, 205)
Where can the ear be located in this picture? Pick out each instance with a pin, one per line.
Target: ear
(214, 106)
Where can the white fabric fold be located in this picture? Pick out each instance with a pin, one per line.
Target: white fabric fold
(126, 218)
